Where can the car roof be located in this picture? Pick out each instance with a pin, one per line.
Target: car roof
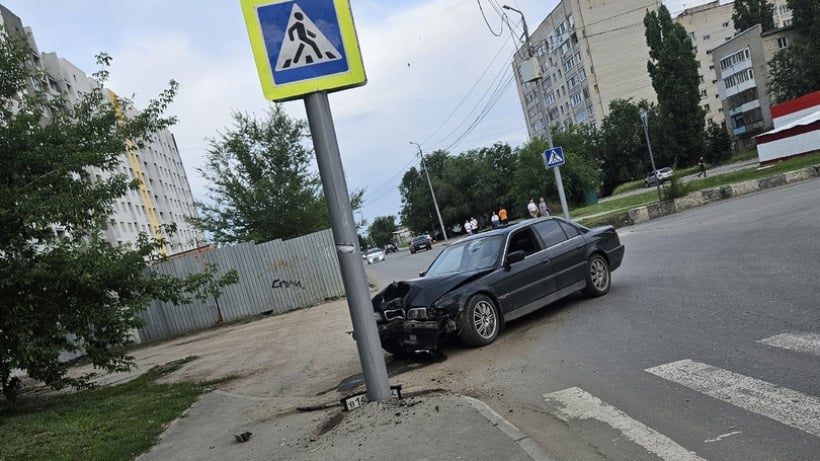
(504, 230)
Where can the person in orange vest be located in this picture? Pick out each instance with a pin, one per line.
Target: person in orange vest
(502, 216)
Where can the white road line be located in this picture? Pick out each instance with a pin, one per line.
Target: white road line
(578, 404)
(781, 404)
(800, 342)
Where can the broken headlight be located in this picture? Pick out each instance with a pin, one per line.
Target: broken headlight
(417, 313)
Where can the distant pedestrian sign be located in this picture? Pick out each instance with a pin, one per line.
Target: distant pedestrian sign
(303, 46)
(554, 157)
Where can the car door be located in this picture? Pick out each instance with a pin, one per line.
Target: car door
(565, 246)
(524, 282)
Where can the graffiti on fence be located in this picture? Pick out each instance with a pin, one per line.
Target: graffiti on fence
(279, 283)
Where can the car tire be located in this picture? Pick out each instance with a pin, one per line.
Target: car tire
(480, 322)
(599, 277)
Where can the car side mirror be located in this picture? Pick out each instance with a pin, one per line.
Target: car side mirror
(516, 256)
(422, 273)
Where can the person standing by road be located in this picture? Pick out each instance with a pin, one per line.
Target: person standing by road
(502, 216)
(532, 208)
(474, 225)
(542, 208)
(468, 227)
(494, 220)
(701, 167)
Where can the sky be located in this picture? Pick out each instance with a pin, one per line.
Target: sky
(438, 74)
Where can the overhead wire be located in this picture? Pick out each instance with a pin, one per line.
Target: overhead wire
(491, 96)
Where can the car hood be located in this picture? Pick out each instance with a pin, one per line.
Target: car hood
(423, 291)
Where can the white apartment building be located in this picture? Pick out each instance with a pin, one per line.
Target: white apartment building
(742, 73)
(710, 25)
(590, 52)
(164, 195)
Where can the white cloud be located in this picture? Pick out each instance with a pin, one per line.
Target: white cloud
(421, 59)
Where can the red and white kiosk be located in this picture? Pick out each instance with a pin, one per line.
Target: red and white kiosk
(796, 130)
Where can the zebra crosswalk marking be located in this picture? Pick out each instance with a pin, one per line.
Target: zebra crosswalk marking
(800, 342)
(575, 403)
(781, 404)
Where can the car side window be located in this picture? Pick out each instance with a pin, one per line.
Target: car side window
(550, 232)
(570, 230)
(524, 240)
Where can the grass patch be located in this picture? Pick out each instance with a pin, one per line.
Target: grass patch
(611, 207)
(108, 423)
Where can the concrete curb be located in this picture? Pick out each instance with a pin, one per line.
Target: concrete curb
(521, 439)
(703, 197)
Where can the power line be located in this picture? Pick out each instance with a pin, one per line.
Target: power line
(488, 22)
(466, 95)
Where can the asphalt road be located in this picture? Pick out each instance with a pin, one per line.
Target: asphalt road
(706, 347)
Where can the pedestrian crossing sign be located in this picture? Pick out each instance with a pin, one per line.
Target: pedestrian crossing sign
(554, 157)
(303, 46)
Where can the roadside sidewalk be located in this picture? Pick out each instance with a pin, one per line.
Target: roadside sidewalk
(435, 426)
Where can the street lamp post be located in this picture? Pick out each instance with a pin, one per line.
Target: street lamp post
(544, 116)
(430, 183)
(645, 122)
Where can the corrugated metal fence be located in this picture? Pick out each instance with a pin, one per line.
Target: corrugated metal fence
(275, 276)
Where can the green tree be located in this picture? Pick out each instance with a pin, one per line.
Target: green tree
(68, 291)
(624, 154)
(795, 71)
(418, 212)
(261, 184)
(718, 144)
(381, 231)
(471, 184)
(747, 13)
(580, 174)
(208, 285)
(674, 71)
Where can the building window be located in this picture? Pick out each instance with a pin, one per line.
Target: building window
(783, 42)
(725, 25)
(702, 93)
(577, 99)
(707, 37)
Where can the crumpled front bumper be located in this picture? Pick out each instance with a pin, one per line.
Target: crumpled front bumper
(413, 335)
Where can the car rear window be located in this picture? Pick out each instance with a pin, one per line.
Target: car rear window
(550, 232)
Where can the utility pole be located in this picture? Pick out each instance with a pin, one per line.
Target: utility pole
(544, 116)
(645, 122)
(432, 192)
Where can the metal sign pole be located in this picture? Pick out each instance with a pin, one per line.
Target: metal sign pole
(344, 234)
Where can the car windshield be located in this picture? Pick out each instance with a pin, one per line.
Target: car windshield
(373, 251)
(477, 254)
(420, 239)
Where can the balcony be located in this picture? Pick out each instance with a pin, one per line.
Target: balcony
(746, 107)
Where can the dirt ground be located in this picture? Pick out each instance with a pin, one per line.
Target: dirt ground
(308, 357)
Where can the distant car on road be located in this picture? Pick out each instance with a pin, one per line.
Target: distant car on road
(658, 176)
(479, 283)
(421, 242)
(374, 255)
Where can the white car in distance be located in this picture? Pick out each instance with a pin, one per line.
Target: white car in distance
(374, 255)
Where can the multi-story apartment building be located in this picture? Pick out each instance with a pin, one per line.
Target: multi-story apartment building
(590, 52)
(742, 74)
(164, 195)
(710, 25)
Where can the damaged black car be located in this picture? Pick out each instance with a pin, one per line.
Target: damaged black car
(477, 284)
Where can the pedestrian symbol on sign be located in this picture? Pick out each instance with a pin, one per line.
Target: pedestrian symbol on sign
(304, 44)
(554, 157)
